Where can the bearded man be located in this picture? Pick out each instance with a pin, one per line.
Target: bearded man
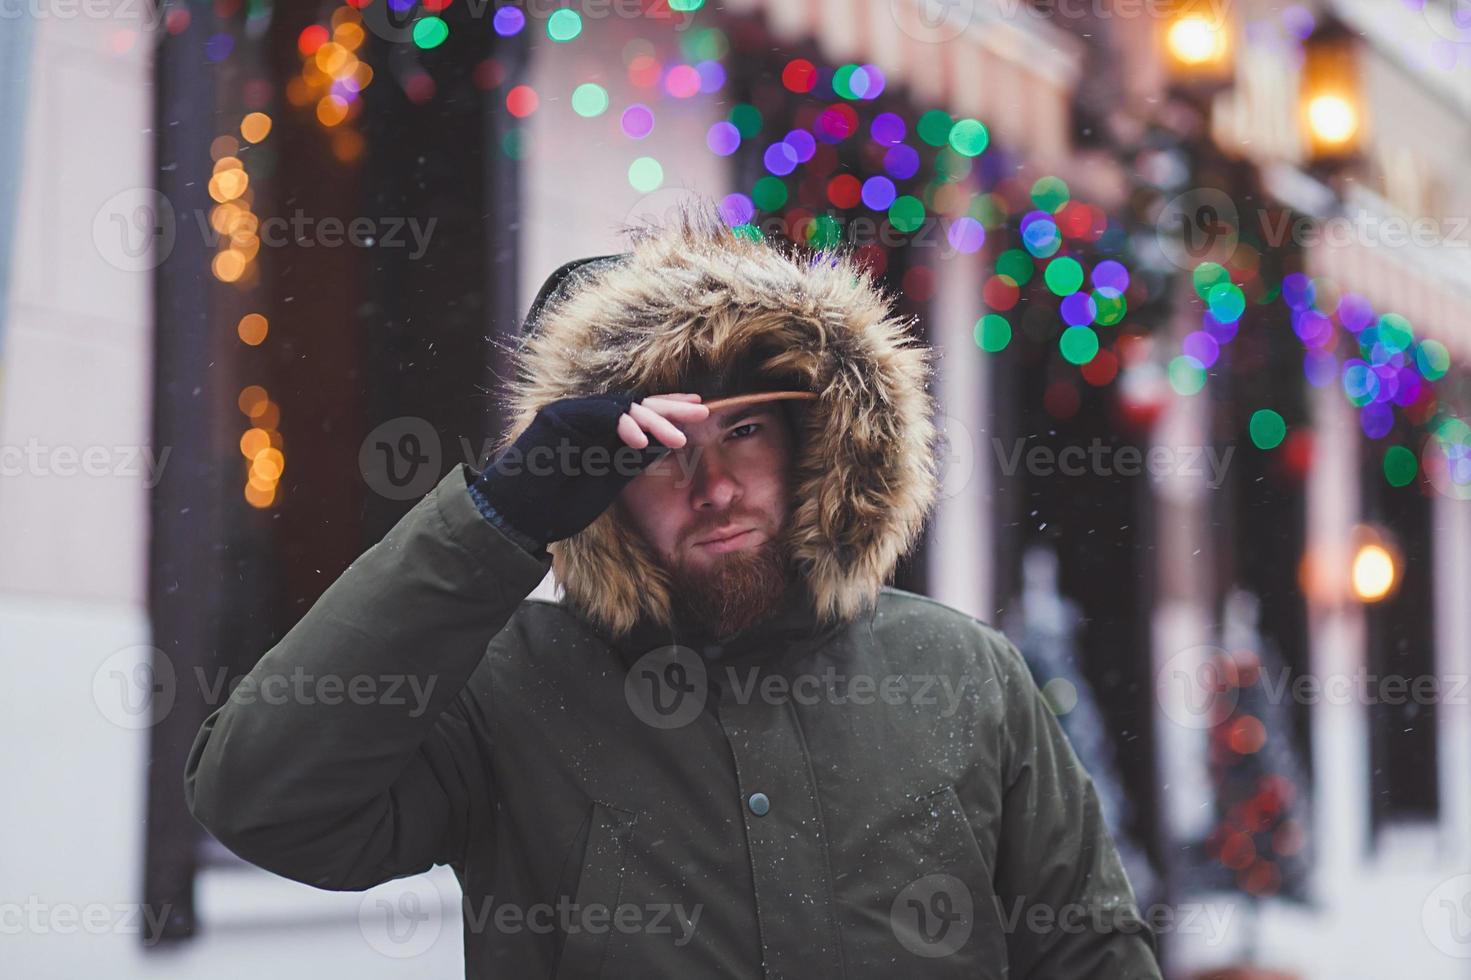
(729, 750)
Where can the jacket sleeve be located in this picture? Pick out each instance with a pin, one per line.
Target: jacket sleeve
(1059, 879)
(352, 754)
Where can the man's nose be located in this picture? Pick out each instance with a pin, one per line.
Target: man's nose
(715, 486)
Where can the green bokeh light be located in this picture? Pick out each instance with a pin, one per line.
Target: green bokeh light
(589, 99)
(1432, 359)
(1226, 301)
(1064, 276)
(564, 24)
(906, 214)
(1267, 429)
(1017, 264)
(430, 32)
(934, 127)
(992, 333)
(645, 174)
(1079, 345)
(1400, 466)
(1208, 275)
(1395, 332)
(969, 137)
(769, 194)
(513, 144)
(704, 44)
(747, 119)
(1050, 193)
(1187, 375)
(1111, 309)
(824, 231)
(843, 82)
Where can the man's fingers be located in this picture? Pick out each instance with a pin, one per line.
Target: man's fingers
(657, 425)
(630, 433)
(657, 416)
(678, 410)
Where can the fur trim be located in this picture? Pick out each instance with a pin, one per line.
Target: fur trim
(693, 296)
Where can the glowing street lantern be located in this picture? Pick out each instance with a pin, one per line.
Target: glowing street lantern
(1331, 106)
(1375, 569)
(1197, 48)
(1197, 40)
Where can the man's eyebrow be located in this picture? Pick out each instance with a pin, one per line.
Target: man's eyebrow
(729, 415)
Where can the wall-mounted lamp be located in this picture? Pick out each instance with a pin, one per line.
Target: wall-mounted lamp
(1330, 98)
(1198, 47)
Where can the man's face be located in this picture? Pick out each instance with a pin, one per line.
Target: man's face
(714, 511)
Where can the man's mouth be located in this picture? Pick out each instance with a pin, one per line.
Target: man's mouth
(728, 540)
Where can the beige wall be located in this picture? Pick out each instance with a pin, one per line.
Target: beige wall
(77, 341)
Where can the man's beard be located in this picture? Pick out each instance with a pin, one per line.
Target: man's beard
(735, 592)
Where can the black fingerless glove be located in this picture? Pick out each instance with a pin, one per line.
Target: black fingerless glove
(563, 471)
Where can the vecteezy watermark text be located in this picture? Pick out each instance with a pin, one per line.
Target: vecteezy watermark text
(569, 917)
(35, 459)
(669, 686)
(1100, 459)
(38, 917)
(136, 230)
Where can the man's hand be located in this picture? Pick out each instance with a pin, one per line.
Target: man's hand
(577, 455)
(656, 415)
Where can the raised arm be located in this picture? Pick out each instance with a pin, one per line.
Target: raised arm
(352, 753)
(348, 755)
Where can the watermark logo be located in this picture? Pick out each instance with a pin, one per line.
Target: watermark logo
(667, 688)
(933, 916)
(400, 459)
(401, 918)
(1446, 917)
(1451, 19)
(1200, 225)
(394, 22)
(932, 21)
(663, 207)
(1195, 686)
(1445, 459)
(956, 451)
(135, 686)
(135, 229)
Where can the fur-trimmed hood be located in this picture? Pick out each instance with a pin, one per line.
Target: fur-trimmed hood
(690, 300)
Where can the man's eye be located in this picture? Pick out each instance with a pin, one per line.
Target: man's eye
(749, 428)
